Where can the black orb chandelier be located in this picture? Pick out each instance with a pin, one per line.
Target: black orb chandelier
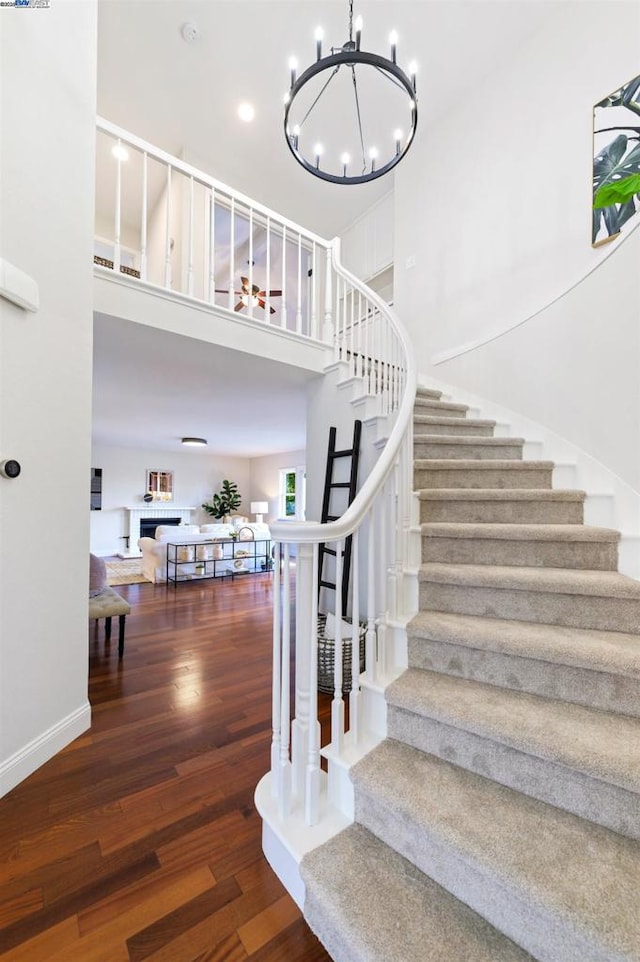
(367, 102)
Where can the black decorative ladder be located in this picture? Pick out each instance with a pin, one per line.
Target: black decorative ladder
(329, 487)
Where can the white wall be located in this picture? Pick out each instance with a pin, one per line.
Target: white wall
(494, 205)
(367, 245)
(265, 478)
(196, 476)
(47, 84)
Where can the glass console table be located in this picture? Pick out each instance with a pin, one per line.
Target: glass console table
(196, 561)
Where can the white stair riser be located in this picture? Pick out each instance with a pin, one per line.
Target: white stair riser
(540, 607)
(502, 512)
(580, 686)
(500, 479)
(464, 450)
(599, 555)
(598, 801)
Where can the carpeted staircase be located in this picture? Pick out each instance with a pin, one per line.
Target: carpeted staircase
(499, 820)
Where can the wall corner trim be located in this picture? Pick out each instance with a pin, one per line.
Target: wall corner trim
(38, 751)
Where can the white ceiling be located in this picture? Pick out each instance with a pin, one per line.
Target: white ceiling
(151, 388)
(184, 99)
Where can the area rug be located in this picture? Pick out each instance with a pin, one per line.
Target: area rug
(125, 572)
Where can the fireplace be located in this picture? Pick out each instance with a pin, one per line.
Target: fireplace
(161, 514)
(148, 525)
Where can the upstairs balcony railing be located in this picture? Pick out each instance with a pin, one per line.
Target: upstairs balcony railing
(170, 227)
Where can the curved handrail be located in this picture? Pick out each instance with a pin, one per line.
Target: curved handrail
(315, 531)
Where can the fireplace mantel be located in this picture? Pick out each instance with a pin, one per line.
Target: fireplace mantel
(151, 510)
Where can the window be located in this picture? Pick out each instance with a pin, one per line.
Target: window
(292, 493)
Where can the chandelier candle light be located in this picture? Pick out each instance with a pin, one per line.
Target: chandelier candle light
(368, 139)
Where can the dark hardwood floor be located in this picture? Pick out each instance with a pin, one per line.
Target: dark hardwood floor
(140, 841)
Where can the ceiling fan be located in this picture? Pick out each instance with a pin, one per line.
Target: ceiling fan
(251, 295)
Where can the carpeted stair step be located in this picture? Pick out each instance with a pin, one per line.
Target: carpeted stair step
(564, 889)
(451, 446)
(599, 669)
(446, 473)
(531, 545)
(495, 506)
(445, 409)
(428, 394)
(468, 427)
(602, 600)
(366, 903)
(576, 758)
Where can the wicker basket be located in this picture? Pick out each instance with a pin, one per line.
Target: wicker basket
(327, 655)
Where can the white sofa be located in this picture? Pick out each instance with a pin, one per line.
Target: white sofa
(154, 550)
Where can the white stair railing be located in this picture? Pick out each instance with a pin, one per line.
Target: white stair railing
(171, 226)
(369, 338)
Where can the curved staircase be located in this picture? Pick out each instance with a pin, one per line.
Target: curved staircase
(499, 819)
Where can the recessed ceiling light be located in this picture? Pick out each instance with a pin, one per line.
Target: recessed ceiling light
(246, 112)
(194, 442)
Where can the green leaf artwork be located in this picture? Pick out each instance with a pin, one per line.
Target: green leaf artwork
(617, 193)
(616, 165)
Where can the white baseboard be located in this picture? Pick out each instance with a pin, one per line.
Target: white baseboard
(26, 761)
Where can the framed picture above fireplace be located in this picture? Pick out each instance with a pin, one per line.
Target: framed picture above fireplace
(160, 485)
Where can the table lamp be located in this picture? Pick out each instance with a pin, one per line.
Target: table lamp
(259, 508)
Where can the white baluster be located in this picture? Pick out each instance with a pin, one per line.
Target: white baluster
(382, 508)
(232, 252)
(313, 329)
(299, 301)
(251, 261)
(354, 694)
(355, 323)
(312, 793)
(337, 705)
(339, 333)
(212, 245)
(327, 330)
(143, 221)
(116, 241)
(371, 658)
(190, 245)
(284, 766)
(369, 349)
(267, 285)
(304, 631)
(283, 313)
(167, 238)
(362, 340)
(276, 672)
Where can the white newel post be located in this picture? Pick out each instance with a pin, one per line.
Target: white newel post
(302, 720)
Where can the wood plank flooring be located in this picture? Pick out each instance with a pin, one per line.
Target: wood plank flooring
(140, 841)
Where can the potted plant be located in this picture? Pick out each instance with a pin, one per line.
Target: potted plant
(225, 502)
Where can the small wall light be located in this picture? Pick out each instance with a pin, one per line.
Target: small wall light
(194, 442)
